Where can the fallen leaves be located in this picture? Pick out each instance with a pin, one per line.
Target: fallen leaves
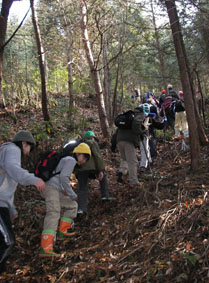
(157, 232)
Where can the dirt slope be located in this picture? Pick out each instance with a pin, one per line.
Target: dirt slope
(157, 232)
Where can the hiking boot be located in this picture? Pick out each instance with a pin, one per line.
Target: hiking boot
(65, 228)
(47, 241)
(120, 177)
(81, 215)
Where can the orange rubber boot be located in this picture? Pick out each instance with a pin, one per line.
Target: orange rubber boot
(65, 229)
(47, 240)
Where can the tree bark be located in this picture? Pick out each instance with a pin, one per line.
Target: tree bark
(41, 58)
(107, 82)
(186, 83)
(204, 26)
(115, 94)
(6, 5)
(202, 97)
(160, 53)
(94, 72)
(69, 46)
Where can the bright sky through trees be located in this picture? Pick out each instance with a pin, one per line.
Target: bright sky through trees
(19, 9)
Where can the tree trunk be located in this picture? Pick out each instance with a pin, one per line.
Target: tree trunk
(202, 97)
(115, 94)
(186, 84)
(70, 79)
(204, 26)
(41, 58)
(94, 72)
(160, 53)
(6, 5)
(107, 83)
(69, 46)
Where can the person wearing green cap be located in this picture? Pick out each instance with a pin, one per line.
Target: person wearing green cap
(11, 174)
(93, 168)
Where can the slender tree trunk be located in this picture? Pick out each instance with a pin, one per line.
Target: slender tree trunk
(70, 73)
(6, 5)
(70, 79)
(204, 26)
(115, 94)
(202, 97)
(69, 46)
(160, 53)
(94, 72)
(186, 83)
(107, 83)
(41, 63)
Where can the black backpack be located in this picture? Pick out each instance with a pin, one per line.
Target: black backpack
(48, 161)
(124, 120)
(179, 107)
(46, 165)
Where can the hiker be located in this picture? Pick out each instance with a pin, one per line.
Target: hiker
(127, 142)
(92, 169)
(136, 94)
(12, 174)
(150, 96)
(162, 97)
(144, 141)
(172, 93)
(59, 194)
(181, 125)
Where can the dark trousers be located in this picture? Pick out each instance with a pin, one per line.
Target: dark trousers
(83, 177)
(7, 237)
(152, 146)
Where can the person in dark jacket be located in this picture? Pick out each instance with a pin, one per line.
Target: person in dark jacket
(94, 168)
(127, 142)
(172, 92)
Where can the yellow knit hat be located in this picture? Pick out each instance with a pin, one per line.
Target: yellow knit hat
(82, 148)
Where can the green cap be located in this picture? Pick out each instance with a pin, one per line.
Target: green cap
(25, 136)
(89, 134)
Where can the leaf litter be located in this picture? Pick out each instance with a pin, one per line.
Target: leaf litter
(157, 232)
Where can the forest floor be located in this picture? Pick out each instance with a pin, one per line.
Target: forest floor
(158, 232)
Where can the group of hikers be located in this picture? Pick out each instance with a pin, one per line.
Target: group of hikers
(83, 158)
(149, 114)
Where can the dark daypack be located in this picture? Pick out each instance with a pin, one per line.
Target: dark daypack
(48, 161)
(179, 107)
(70, 145)
(124, 120)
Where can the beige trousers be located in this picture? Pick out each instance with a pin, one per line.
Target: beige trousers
(181, 124)
(129, 160)
(55, 201)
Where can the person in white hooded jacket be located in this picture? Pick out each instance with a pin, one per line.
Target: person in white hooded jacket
(12, 174)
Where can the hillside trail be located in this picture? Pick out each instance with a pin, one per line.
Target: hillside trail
(157, 232)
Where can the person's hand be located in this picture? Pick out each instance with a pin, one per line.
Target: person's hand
(40, 185)
(101, 175)
(14, 217)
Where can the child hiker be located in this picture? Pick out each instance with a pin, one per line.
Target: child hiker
(12, 174)
(94, 168)
(59, 194)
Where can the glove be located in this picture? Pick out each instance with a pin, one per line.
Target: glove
(101, 175)
(164, 118)
(40, 185)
